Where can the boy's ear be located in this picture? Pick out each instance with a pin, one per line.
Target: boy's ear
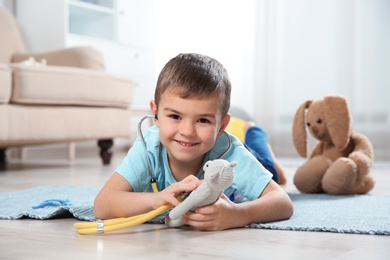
(224, 124)
(153, 107)
(153, 110)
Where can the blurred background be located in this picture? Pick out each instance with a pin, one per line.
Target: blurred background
(279, 53)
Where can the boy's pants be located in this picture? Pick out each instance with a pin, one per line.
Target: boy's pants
(256, 142)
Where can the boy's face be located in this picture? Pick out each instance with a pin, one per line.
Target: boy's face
(188, 127)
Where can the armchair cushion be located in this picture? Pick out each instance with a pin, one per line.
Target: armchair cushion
(83, 57)
(55, 85)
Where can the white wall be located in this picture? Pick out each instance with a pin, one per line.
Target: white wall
(9, 4)
(222, 29)
(280, 53)
(311, 48)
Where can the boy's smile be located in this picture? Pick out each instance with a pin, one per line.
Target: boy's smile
(188, 128)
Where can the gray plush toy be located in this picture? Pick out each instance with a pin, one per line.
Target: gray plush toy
(218, 176)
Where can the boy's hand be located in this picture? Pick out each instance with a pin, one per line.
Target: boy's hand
(217, 216)
(169, 194)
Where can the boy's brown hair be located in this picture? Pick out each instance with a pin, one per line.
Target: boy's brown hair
(193, 75)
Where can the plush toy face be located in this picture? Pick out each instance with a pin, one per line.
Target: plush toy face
(316, 121)
(219, 173)
(327, 119)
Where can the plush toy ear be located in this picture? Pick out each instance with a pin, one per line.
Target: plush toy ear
(338, 120)
(299, 130)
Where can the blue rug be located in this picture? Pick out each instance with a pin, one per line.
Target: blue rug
(359, 214)
(19, 204)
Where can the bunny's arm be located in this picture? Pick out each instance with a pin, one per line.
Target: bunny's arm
(362, 144)
(362, 153)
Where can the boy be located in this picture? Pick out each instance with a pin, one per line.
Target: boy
(191, 104)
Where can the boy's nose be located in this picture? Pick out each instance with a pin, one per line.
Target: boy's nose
(187, 128)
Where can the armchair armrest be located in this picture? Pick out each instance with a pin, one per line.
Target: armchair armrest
(83, 57)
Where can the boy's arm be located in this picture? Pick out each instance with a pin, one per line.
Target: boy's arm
(117, 198)
(272, 205)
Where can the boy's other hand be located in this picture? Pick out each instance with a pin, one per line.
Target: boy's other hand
(217, 216)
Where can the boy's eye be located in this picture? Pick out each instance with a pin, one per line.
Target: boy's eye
(175, 117)
(204, 121)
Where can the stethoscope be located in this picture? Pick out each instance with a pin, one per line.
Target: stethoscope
(102, 226)
(152, 178)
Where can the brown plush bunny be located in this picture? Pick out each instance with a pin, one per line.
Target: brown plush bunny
(340, 162)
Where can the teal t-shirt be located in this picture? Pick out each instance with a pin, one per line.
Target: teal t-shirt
(250, 177)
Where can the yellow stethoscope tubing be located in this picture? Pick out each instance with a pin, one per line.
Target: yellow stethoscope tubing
(120, 223)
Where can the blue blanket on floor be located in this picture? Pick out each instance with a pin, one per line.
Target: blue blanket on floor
(359, 214)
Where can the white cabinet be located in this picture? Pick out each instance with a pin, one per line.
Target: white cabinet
(123, 30)
(92, 18)
(131, 14)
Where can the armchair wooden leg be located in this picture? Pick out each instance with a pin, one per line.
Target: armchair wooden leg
(106, 150)
(3, 157)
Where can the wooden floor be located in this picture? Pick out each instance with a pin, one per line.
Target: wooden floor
(57, 239)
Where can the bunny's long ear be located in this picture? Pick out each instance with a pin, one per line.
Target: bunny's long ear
(299, 130)
(338, 120)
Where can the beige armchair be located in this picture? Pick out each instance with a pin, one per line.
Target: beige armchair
(69, 99)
